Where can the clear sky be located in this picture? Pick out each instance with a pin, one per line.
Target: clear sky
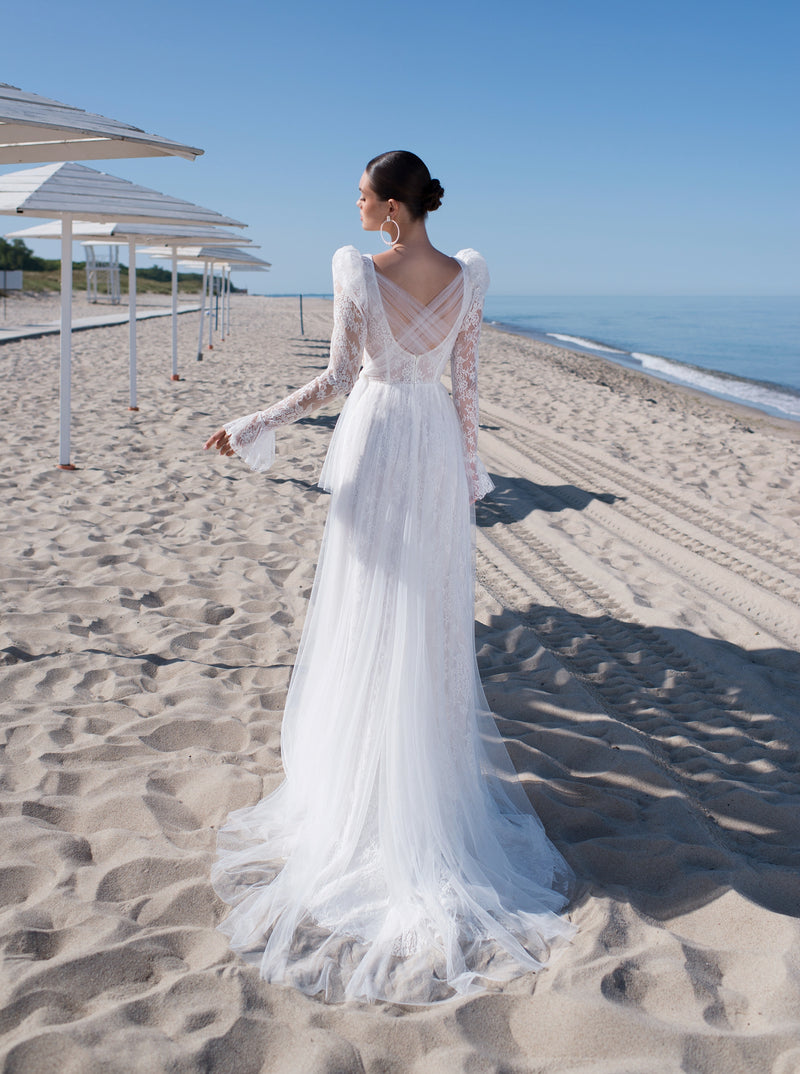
(585, 147)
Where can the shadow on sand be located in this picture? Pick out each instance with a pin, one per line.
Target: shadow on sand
(514, 498)
(664, 765)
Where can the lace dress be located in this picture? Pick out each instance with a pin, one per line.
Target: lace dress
(400, 859)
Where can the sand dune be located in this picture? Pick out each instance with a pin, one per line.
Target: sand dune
(638, 631)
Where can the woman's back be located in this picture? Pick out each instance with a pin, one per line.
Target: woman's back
(406, 340)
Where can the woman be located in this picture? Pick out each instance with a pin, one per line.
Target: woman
(400, 859)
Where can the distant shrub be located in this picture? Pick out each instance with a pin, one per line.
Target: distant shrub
(16, 255)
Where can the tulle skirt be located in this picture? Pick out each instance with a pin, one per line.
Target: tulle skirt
(400, 858)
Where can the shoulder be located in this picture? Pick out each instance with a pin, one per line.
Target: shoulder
(477, 268)
(349, 274)
(348, 259)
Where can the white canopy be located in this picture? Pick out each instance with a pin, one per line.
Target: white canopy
(223, 266)
(113, 233)
(74, 189)
(228, 255)
(187, 263)
(34, 128)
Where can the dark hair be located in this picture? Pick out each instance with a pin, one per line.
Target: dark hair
(403, 176)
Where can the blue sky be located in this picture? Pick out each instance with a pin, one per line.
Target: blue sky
(585, 147)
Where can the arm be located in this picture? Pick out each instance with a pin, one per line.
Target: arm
(464, 375)
(252, 437)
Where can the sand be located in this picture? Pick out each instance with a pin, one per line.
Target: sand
(30, 314)
(637, 627)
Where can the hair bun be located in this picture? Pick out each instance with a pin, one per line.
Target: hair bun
(400, 174)
(432, 198)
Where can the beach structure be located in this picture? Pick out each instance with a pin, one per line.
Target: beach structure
(108, 270)
(73, 191)
(35, 129)
(165, 238)
(226, 259)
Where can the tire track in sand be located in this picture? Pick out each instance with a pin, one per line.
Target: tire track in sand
(736, 566)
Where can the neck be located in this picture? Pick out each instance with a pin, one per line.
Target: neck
(413, 238)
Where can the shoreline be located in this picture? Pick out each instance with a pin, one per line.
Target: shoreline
(597, 367)
(632, 360)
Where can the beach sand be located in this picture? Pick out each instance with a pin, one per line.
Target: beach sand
(28, 314)
(637, 628)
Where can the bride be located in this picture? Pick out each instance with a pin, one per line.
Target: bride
(400, 859)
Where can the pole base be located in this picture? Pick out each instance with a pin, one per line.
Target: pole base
(174, 377)
(133, 408)
(199, 357)
(211, 346)
(66, 466)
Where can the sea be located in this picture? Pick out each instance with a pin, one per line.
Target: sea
(745, 349)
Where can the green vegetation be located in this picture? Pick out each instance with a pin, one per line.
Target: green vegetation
(16, 255)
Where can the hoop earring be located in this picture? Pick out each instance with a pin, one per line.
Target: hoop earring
(385, 234)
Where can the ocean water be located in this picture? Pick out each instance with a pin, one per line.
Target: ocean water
(746, 349)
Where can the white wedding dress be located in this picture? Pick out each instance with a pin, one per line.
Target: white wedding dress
(400, 859)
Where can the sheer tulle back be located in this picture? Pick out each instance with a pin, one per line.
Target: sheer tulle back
(417, 327)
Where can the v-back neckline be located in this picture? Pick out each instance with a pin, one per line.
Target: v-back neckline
(423, 305)
(462, 276)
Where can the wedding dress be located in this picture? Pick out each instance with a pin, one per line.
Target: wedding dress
(400, 859)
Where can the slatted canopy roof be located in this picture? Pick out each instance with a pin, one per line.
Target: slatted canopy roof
(244, 266)
(34, 128)
(115, 233)
(219, 254)
(74, 189)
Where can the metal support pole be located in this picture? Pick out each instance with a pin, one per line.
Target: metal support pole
(302, 332)
(227, 306)
(132, 320)
(210, 312)
(175, 313)
(226, 318)
(66, 344)
(202, 313)
(225, 302)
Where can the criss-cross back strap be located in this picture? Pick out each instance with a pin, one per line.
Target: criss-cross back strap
(416, 327)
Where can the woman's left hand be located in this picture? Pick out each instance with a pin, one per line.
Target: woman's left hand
(221, 441)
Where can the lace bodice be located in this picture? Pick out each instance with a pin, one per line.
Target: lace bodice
(384, 334)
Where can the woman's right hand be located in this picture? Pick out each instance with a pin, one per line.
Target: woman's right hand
(220, 441)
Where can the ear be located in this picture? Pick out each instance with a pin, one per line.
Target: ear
(391, 206)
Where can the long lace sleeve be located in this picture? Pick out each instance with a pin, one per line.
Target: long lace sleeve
(464, 375)
(252, 437)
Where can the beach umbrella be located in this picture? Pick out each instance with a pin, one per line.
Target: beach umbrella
(73, 191)
(225, 258)
(36, 129)
(170, 237)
